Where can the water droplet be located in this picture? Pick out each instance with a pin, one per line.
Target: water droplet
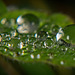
(13, 33)
(32, 56)
(14, 54)
(66, 49)
(0, 38)
(3, 21)
(45, 44)
(59, 34)
(42, 34)
(8, 22)
(68, 37)
(36, 35)
(27, 23)
(9, 45)
(21, 45)
(73, 58)
(54, 29)
(23, 52)
(62, 62)
(5, 49)
(38, 56)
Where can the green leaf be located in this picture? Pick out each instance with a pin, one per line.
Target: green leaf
(38, 49)
(60, 19)
(69, 32)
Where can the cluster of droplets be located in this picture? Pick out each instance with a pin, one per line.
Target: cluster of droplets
(15, 44)
(43, 44)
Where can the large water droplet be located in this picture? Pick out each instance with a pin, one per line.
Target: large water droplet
(27, 23)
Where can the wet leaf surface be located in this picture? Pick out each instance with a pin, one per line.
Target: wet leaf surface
(39, 46)
(69, 33)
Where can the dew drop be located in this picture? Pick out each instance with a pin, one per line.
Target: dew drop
(23, 53)
(59, 34)
(21, 45)
(73, 58)
(38, 56)
(32, 56)
(66, 49)
(54, 29)
(5, 49)
(62, 62)
(3, 21)
(0, 38)
(68, 37)
(36, 35)
(27, 23)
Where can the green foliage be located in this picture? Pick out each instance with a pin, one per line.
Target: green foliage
(40, 50)
(60, 19)
(69, 33)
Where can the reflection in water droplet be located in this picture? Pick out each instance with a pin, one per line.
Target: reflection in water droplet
(13, 33)
(62, 62)
(38, 56)
(66, 49)
(59, 34)
(0, 38)
(14, 54)
(42, 34)
(68, 37)
(21, 45)
(27, 23)
(7, 22)
(5, 49)
(54, 29)
(23, 53)
(9, 45)
(32, 56)
(3, 21)
(73, 58)
(36, 35)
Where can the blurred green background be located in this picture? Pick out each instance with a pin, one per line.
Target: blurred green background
(63, 6)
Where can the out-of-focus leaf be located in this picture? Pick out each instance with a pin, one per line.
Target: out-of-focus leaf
(2, 8)
(69, 32)
(60, 19)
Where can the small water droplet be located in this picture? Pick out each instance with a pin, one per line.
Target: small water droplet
(9, 45)
(66, 49)
(54, 28)
(42, 34)
(32, 56)
(0, 38)
(68, 37)
(38, 56)
(36, 35)
(3, 21)
(62, 62)
(73, 58)
(23, 52)
(59, 34)
(14, 54)
(13, 33)
(21, 45)
(5, 49)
